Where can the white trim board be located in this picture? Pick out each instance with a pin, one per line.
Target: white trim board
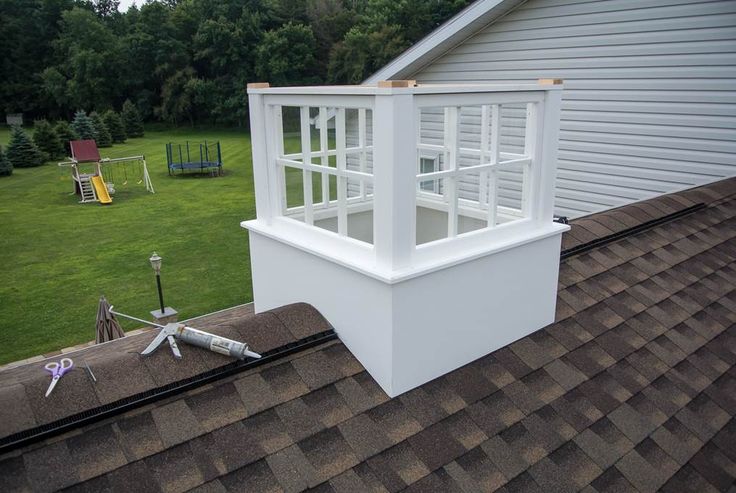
(453, 32)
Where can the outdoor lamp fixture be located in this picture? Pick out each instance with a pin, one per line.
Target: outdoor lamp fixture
(156, 264)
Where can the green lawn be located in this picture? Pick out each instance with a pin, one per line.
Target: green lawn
(60, 256)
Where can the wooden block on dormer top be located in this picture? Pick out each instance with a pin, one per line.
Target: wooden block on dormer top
(258, 85)
(550, 82)
(397, 83)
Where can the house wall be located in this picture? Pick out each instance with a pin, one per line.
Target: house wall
(649, 105)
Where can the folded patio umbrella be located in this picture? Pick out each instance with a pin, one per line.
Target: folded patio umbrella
(108, 328)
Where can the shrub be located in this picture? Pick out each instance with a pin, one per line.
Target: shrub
(132, 120)
(45, 138)
(102, 133)
(83, 126)
(6, 169)
(65, 132)
(115, 126)
(22, 152)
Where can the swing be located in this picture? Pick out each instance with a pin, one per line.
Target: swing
(125, 172)
(140, 174)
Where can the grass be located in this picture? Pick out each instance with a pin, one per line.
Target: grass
(60, 256)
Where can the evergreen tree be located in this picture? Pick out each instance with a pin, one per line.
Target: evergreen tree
(83, 126)
(66, 133)
(45, 138)
(115, 126)
(102, 133)
(22, 152)
(6, 169)
(132, 120)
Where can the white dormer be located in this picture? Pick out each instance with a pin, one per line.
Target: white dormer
(420, 225)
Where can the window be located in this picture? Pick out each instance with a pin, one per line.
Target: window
(429, 165)
(324, 168)
(473, 170)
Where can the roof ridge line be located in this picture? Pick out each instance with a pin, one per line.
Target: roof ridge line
(40, 432)
(624, 233)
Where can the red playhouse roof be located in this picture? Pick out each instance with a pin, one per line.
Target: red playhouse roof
(85, 151)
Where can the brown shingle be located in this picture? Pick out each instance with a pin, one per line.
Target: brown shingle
(612, 481)
(511, 363)
(96, 452)
(255, 477)
(176, 423)
(422, 407)
(255, 393)
(49, 468)
(398, 467)
(361, 392)
(480, 469)
(175, 469)
(19, 416)
(495, 413)
(329, 453)
(364, 436)
(292, 470)
(470, 384)
(301, 319)
(217, 406)
(13, 475)
(316, 371)
(138, 436)
(395, 421)
(604, 443)
(328, 405)
(285, 381)
(299, 420)
(137, 473)
(227, 449)
(267, 430)
(677, 441)
(436, 446)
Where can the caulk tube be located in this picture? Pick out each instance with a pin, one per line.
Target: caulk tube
(215, 343)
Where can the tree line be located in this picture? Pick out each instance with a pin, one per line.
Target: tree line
(52, 141)
(188, 61)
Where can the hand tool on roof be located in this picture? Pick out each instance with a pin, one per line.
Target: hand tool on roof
(90, 372)
(195, 337)
(57, 371)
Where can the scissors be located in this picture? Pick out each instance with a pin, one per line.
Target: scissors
(57, 370)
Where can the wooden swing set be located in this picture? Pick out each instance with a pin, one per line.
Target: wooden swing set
(98, 185)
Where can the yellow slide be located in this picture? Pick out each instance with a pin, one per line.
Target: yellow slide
(101, 190)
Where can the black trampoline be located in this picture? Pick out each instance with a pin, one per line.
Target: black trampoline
(195, 157)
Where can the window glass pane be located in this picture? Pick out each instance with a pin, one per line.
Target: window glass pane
(294, 189)
(431, 213)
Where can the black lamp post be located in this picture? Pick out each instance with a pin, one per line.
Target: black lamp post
(156, 264)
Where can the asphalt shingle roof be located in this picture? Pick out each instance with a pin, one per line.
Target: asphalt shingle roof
(633, 388)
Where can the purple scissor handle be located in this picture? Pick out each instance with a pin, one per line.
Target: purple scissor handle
(57, 370)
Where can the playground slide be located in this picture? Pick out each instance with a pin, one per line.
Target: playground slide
(101, 190)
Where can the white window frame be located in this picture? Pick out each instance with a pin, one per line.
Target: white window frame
(434, 186)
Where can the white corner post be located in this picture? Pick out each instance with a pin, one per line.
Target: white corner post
(416, 281)
(394, 171)
(547, 143)
(260, 147)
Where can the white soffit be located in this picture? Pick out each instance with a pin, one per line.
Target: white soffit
(453, 32)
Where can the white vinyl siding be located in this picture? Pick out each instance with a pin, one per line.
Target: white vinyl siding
(649, 104)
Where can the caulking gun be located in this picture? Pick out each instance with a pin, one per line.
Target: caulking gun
(195, 337)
